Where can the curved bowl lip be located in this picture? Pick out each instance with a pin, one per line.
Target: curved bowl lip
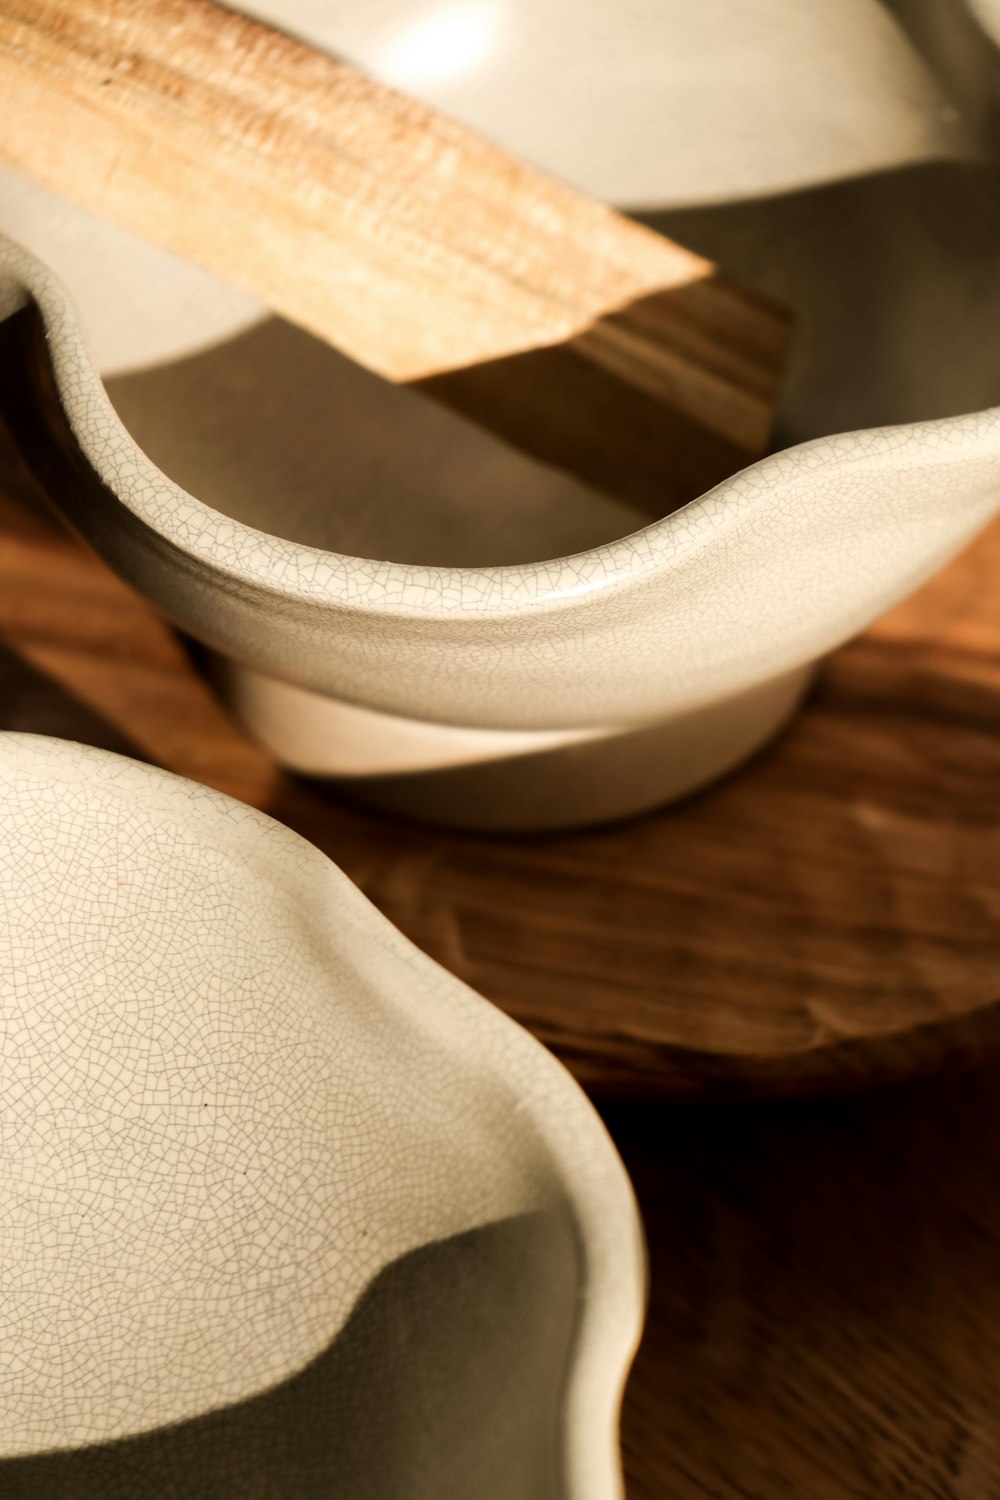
(239, 557)
(598, 1192)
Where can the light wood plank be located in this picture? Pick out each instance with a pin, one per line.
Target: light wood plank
(407, 240)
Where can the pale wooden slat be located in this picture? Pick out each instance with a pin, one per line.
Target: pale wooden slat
(402, 237)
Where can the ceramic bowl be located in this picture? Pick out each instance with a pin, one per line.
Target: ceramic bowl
(453, 631)
(528, 696)
(287, 1210)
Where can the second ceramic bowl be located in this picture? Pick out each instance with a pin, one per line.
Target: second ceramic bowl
(287, 1210)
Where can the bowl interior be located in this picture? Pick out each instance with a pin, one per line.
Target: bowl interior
(277, 1219)
(860, 190)
(892, 280)
(279, 430)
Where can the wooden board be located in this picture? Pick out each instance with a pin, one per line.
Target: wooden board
(825, 1313)
(829, 915)
(402, 237)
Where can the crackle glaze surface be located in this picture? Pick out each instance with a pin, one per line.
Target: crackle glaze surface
(285, 1209)
(767, 572)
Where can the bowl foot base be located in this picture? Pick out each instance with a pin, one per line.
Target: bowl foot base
(502, 779)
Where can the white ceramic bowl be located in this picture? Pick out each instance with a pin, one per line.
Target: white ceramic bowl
(285, 1209)
(458, 633)
(535, 695)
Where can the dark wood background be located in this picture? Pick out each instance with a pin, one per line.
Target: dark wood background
(825, 1317)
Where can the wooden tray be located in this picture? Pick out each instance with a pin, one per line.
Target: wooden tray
(825, 1313)
(828, 915)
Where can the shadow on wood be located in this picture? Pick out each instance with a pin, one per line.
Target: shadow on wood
(825, 1311)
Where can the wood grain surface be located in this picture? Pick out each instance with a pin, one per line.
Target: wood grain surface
(411, 243)
(828, 915)
(825, 1309)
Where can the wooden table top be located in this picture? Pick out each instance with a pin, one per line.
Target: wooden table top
(825, 1306)
(825, 1314)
